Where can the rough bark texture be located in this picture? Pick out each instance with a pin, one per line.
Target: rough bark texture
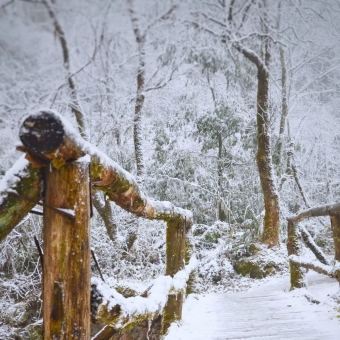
(264, 163)
(175, 261)
(297, 274)
(13, 208)
(104, 211)
(147, 329)
(67, 254)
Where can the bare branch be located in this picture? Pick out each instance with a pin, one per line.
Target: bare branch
(162, 17)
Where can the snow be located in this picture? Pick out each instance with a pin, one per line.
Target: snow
(84, 159)
(266, 312)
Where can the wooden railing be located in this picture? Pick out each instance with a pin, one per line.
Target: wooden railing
(297, 233)
(59, 161)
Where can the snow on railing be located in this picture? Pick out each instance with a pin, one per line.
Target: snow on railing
(118, 311)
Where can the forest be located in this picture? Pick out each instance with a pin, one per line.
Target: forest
(227, 109)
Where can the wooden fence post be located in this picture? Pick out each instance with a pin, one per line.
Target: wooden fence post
(297, 273)
(189, 251)
(175, 261)
(66, 276)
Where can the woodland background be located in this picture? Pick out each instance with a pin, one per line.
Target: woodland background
(163, 88)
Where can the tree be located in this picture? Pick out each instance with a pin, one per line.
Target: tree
(218, 131)
(230, 32)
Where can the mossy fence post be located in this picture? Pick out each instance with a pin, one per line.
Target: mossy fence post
(297, 273)
(335, 221)
(66, 233)
(175, 261)
(67, 253)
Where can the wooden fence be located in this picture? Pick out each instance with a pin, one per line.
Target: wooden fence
(58, 172)
(296, 232)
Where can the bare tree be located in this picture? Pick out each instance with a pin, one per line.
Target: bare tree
(140, 37)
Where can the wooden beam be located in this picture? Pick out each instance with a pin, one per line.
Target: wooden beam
(37, 135)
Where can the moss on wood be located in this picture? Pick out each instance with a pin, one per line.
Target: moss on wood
(14, 209)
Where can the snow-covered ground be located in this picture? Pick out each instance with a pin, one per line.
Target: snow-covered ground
(269, 311)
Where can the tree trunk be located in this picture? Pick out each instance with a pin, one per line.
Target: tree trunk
(264, 162)
(137, 120)
(284, 105)
(66, 276)
(139, 102)
(221, 213)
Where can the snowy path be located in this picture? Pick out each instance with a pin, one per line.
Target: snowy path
(267, 312)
